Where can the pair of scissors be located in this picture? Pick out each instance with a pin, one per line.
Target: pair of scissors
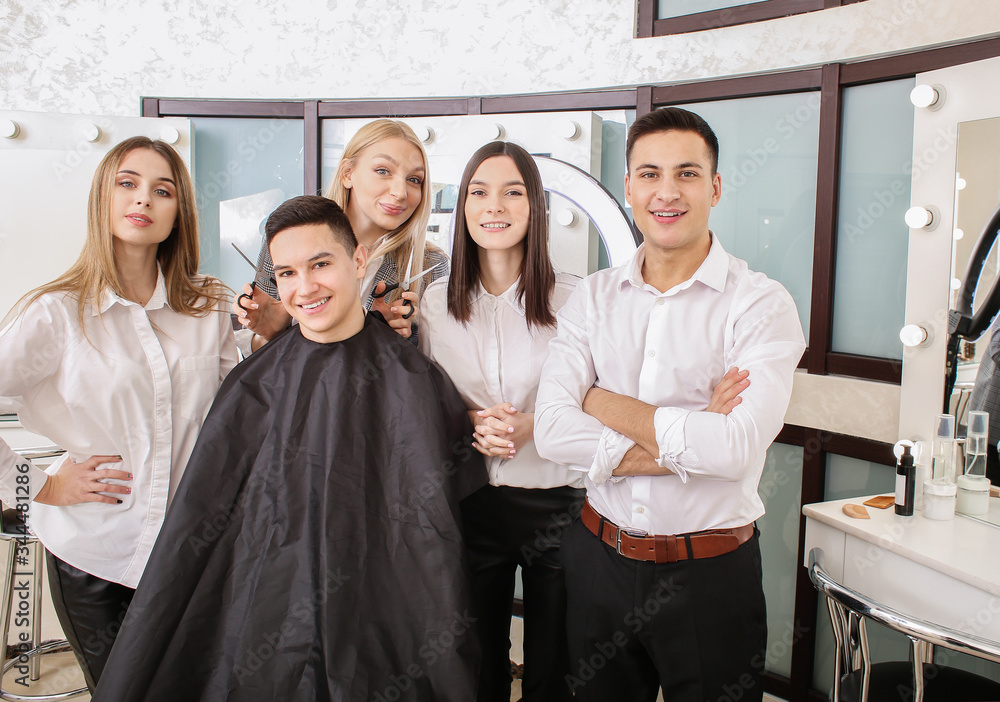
(253, 284)
(405, 284)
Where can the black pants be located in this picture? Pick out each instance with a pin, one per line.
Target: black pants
(696, 628)
(506, 527)
(90, 611)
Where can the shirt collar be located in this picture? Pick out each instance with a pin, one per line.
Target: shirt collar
(157, 301)
(509, 296)
(713, 271)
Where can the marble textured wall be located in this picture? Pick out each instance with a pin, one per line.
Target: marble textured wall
(101, 56)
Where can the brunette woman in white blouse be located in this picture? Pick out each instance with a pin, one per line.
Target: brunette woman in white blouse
(117, 361)
(489, 326)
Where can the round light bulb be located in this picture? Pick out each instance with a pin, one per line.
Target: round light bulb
(919, 218)
(958, 234)
(9, 129)
(90, 132)
(566, 217)
(913, 335)
(927, 96)
(960, 183)
(170, 134)
(570, 130)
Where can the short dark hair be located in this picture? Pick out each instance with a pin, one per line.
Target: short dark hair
(537, 280)
(311, 209)
(668, 119)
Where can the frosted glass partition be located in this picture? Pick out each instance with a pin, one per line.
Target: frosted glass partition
(243, 169)
(678, 8)
(780, 489)
(845, 478)
(875, 172)
(768, 161)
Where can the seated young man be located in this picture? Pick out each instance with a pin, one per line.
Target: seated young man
(313, 550)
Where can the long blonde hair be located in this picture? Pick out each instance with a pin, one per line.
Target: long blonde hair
(95, 270)
(411, 235)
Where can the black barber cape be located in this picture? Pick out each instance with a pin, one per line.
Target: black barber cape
(313, 549)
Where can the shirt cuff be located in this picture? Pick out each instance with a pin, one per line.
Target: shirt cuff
(668, 422)
(611, 449)
(12, 491)
(244, 338)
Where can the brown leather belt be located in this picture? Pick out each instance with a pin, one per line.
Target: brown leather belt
(664, 549)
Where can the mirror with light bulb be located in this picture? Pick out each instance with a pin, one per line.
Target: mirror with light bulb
(954, 258)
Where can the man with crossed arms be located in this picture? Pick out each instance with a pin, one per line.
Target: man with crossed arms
(663, 570)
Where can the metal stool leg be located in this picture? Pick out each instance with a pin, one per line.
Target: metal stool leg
(10, 546)
(34, 665)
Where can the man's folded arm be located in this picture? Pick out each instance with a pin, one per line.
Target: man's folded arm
(710, 445)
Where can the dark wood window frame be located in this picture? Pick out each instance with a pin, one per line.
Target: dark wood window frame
(830, 80)
(648, 25)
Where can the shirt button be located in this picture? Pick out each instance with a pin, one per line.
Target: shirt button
(640, 510)
(651, 353)
(660, 301)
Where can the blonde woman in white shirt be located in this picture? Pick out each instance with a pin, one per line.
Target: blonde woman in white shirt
(117, 361)
(489, 327)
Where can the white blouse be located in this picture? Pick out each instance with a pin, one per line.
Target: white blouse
(497, 358)
(134, 381)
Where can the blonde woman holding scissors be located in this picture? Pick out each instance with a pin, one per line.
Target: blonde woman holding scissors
(383, 185)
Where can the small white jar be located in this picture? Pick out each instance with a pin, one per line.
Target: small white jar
(939, 500)
(973, 495)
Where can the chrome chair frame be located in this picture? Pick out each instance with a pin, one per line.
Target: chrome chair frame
(10, 543)
(850, 609)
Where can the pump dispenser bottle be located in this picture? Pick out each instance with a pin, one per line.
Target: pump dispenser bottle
(943, 467)
(905, 478)
(975, 444)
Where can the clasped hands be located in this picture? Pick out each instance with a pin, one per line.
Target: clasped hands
(501, 430)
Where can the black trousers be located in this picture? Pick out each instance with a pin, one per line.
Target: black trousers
(696, 628)
(507, 527)
(90, 611)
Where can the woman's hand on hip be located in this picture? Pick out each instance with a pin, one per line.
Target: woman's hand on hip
(83, 482)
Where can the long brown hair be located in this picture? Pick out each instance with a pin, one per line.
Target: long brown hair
(411, 234)
(95, 270)
(537, 279)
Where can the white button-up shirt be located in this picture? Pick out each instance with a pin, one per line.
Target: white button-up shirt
(134, 381)
(497, 358)
(670, 350)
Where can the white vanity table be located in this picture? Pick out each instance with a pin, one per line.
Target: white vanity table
(944, 572)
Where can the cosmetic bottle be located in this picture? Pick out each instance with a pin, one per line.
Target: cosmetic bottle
(943, 454)
(939, 500)
(973, 495)
(905, 476)
(975, 444)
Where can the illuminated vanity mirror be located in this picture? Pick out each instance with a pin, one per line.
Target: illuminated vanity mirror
(977, 196)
